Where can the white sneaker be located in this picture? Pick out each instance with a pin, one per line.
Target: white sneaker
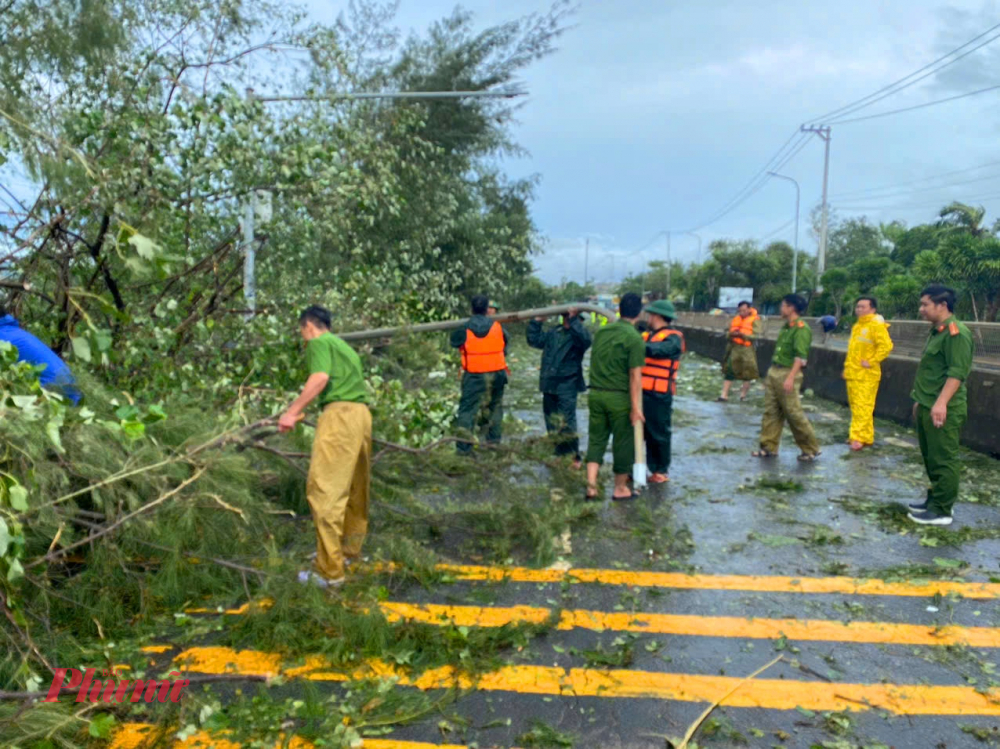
(307, 576)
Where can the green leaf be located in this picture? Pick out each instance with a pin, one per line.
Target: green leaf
(24, 401)
(18, 497)
(134, 429)
(4, 537)
(103, 340)
(52, 430)
(81, 348)
(145, 246)
(100, 727)
(154, 414)
(127, 413)
(949, 564)
(15, 571)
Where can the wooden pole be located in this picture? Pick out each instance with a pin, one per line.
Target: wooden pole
(528, 314)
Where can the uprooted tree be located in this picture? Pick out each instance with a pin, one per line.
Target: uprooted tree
(134, 143)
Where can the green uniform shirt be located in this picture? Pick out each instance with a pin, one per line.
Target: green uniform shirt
(618, 348)
(948, 353)
(330, 354)
(793, 343)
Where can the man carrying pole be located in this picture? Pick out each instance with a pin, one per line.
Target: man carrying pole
(940, 403)
(615, 399)
(339, 475)
(482, 343)
(740, 361)
(664, 347)
(783, 383)
(869, 345)
(561, 377)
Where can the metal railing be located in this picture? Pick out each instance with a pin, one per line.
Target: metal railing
(908, 336)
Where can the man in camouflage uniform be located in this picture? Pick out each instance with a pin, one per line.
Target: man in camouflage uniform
(783, 383)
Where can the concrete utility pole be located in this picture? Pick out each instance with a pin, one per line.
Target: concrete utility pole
(795, 248)
(824, 133)
(586, 262)
(249, 207)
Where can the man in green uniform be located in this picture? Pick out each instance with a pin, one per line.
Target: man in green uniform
(664, 347)
(339, 476)
(615, 398)
(940, 406)
(783, 383)
(482, 343)
(561, 377)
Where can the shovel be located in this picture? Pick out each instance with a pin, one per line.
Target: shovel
(639, 470)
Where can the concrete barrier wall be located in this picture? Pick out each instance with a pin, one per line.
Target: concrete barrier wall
(981, 432)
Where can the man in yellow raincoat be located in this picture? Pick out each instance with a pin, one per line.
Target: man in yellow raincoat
(869, 345)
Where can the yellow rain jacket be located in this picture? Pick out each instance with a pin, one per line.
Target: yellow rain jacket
(869, 342)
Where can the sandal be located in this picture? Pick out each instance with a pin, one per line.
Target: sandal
(659, 478)
(720, 399)
(808, 457)
(633, 495)
(762, 453)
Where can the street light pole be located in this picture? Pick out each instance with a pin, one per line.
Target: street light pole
(691, 233)
(795, 249)
(667, 295)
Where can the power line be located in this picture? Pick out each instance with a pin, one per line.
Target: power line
(917, 106)
(777, 231)
(931, 188)
(757, 181)
(927, 203)
(903, 83)
(859, 191)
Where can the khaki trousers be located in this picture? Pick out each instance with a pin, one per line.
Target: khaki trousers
(780, 407)
(337, 487)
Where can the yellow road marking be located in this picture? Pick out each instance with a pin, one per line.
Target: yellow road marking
(135, 736)
(754, 583)
(771, 694)
(707, 626)
(815, 630)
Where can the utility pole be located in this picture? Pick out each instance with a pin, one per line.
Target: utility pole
(824, 133)
(249, 277)
(795, 248)
(586, 262)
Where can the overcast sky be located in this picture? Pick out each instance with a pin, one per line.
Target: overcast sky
(652, 115)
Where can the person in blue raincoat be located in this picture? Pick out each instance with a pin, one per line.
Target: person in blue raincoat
(55, 376)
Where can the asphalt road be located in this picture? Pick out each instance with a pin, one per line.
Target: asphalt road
(889, 635)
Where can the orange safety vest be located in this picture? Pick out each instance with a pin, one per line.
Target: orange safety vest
(480, 355)
(743, 326)
(660, 375)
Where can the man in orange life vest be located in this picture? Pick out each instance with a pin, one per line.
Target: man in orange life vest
(482, 343)
(664, 347)
(740, 361)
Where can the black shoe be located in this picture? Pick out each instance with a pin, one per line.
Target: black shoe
(930, 518)
(922, 507)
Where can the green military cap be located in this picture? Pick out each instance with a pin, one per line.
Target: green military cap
(663, 308)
